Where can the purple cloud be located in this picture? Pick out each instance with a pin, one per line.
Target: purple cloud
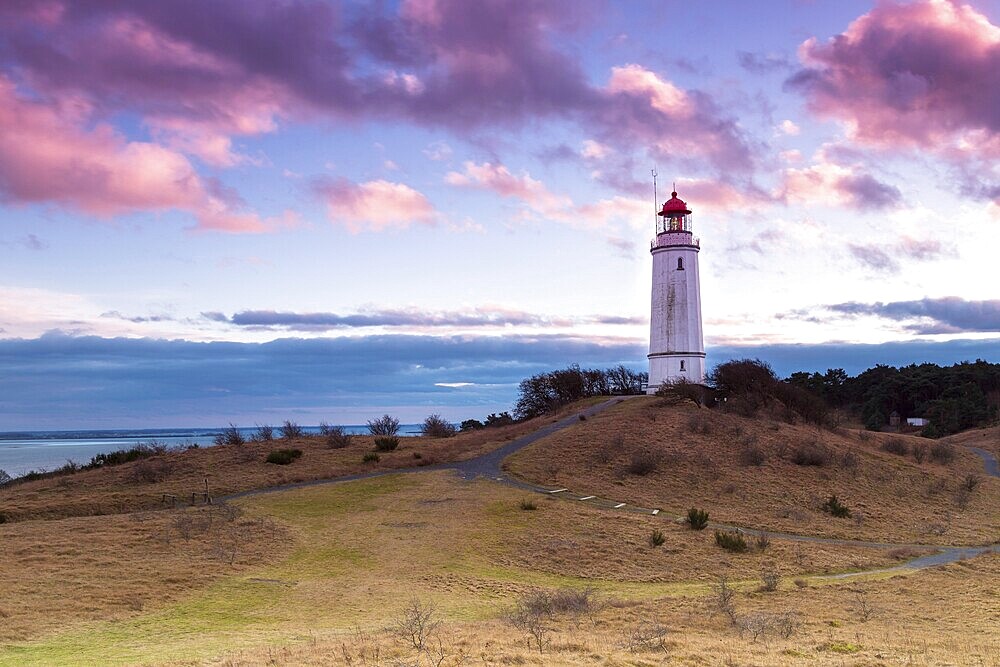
(867, 192)
(874, 258)
(933, 315)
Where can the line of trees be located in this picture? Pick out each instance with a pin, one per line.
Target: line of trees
(546, 392)
(953, 398)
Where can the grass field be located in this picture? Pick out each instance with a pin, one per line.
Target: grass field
(321, 575)
(320, 563)
(700, 462)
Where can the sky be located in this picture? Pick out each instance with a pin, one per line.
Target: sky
(255, 210)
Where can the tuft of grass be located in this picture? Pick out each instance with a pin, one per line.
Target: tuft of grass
(386, 443)
(734, 542)
(657, 538)
(283, 457)
(643, 463)
(370, 457)
(834, 507)
(697, 519)
(528, 505)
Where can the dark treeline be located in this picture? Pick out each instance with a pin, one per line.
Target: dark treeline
(951, 398)
(546, 392)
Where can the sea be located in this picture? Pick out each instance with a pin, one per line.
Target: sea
(40, 451)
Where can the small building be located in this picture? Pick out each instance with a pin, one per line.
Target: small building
(894, 418)
(916, 421)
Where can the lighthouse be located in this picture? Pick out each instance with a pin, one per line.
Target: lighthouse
(676, 344)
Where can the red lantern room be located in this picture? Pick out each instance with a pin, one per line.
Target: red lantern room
(675, 216)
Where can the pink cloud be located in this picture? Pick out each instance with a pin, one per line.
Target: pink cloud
(923, 73)
(202, 73)
(829, 184)
(497, 178)
(45, 156)
(375, 206)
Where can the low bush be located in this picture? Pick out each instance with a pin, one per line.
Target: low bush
(811, 454)
(696, 519)
(643, 463)
(834, 507)
(920, 451)
(436, 426)
(231, 435)
(140, 451)
(369, 457)
(656, 538)
(290, 430)
(528, 505)
(336, 437)
(472, 425)
(752, 456)
(896, 446)
(386, 443)
(943, 453)
(769, 579)
(734, 542)
(563, 601)
(762, 541)
(283, 457)
(849, 460)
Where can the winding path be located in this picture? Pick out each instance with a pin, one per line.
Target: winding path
(489, 466)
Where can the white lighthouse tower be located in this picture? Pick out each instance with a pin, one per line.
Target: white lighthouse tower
(676, 344)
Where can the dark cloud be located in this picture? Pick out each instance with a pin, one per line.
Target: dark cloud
(61, 381)
(932, 316)
(389, 317)
(763, 63)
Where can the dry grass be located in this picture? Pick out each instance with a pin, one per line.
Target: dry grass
(954, 626)
(82, 569)
(701, 464)
(355, 554)
(230, 469)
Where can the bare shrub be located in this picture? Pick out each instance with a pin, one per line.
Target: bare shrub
(971, 482)
(657, 538)
(563, 601)
(290, 430)
(436, 426)
(864, 436)
(762, 541)
(769, 579)
(415, 624)
(152, 470)
(863, 605)
(337, 437)
(384, 425)
(650, 636)
(231, 435)
(724, 599)
(643, 463)
(263, 433)
(533, 624)
(943, 453)
(850, 460)
(920, 452)
(682, 389)
(895, 446)
(750, 454)
(700, 424)
(811, 454)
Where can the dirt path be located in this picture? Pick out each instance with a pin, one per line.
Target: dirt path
(489, 466)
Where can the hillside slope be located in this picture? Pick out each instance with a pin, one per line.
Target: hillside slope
(709, 459)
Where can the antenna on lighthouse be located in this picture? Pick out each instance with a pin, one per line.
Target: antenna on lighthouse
(655, 200)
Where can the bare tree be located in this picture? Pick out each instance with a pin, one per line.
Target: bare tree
(384, 425)
(416, 624)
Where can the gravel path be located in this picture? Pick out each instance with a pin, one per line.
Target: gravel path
(488, 466)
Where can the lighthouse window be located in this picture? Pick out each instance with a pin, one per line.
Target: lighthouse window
(680, 263)
(682, 365)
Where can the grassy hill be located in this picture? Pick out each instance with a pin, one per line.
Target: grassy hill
(324, 574)
(769, 474)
